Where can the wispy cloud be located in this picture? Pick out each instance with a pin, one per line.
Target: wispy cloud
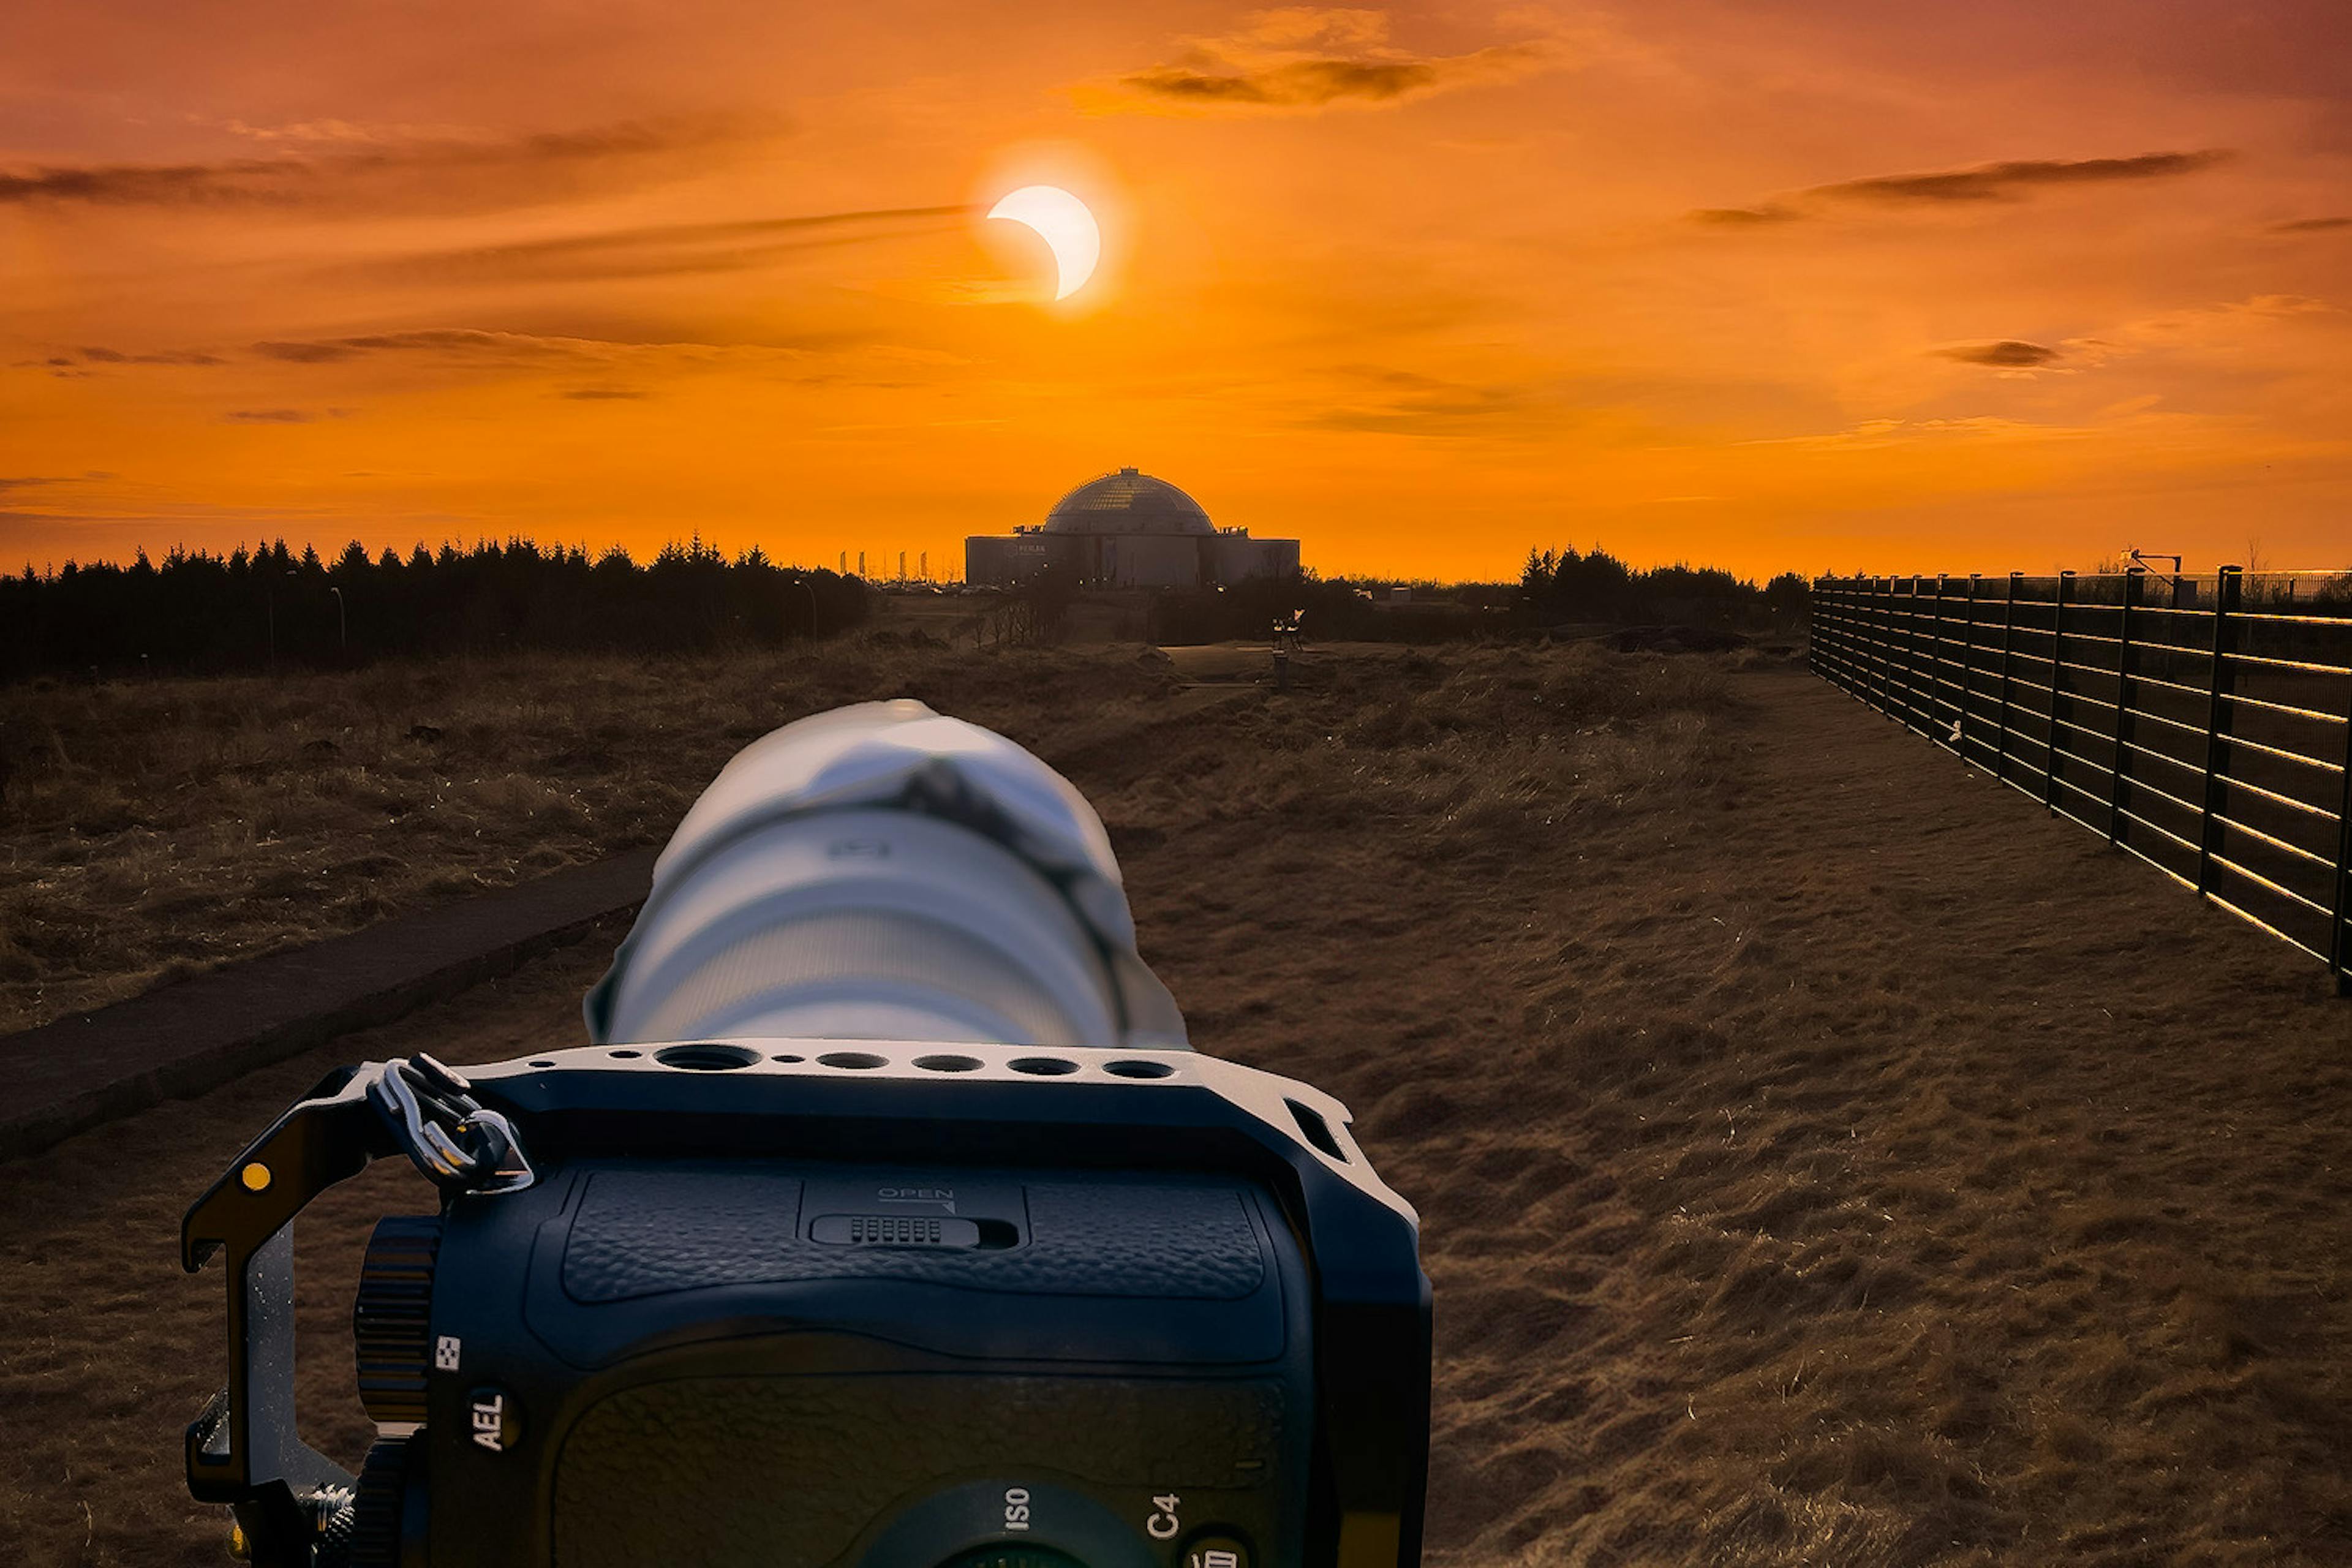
(1304, 59)
(2007, 353)
(666, 249)
(117, 356)
(2010, 180)
(475, 346)
(2016, 178)
(28, 481)
(604, 394)
(283, 416)
(2310, 225)
(438, 170)
(1746, 217)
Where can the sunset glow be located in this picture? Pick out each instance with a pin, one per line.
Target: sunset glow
(1816, 285)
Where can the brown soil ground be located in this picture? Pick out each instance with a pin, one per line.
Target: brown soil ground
(1823, 1157)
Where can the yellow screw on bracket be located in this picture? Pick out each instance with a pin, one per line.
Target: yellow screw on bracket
(256, 1176)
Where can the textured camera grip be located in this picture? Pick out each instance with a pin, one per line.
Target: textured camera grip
(647, 1233)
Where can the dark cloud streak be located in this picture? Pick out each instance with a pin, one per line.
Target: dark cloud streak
(449, 169)
(475, 348)
(1316, 83)
(2004, 182)
(1746, 217)
(1299, 84)
(2011, 180)
(2010, 354)
(667, 249)
(116, 356)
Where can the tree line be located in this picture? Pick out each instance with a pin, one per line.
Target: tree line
(268, 606)
(1555, 588)
(265, 607)
(1562, 586)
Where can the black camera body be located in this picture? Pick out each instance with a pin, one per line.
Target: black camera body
(800, 1304)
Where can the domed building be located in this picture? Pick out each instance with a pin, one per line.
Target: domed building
(1129, 530)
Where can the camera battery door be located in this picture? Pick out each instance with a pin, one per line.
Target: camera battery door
(804, 1364)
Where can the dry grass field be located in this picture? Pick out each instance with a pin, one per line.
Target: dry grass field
(1823, 1157)
(154, 829)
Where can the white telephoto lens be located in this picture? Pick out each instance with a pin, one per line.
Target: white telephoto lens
(885, 872)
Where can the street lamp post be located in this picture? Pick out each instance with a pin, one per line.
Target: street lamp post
(342, 623)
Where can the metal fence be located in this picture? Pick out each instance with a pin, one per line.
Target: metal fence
(2203, 725)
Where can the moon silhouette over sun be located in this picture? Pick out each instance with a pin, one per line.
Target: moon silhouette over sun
(1065, 225)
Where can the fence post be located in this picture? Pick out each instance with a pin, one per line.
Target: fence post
(1813, 613)
(1936, 683)
(1933, 661)
(2008, 624)
(2121, 782)
(2057, 684)
(1911, 659)
(2229, 585)
(2340, 941)
(1842, 639)
(1813, 622)
(1882, 640)
(1922, 658)
(1968, 660)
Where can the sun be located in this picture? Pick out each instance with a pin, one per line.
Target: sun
(1063, 222)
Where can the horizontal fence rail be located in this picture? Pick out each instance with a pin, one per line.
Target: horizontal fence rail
(2203, 725)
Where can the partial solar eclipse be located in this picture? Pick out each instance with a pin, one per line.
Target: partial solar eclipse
(1065, 225)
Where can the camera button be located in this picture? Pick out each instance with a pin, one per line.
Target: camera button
(493, 1419)
(1215, 1551)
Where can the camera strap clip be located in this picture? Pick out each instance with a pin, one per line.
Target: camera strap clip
(444, 1131)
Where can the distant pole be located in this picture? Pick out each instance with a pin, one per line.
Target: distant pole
(902, 566)
(925, 563)
(845, 562)
(861, 565)
(342, 623)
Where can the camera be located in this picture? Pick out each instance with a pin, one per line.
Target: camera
(914, 1295)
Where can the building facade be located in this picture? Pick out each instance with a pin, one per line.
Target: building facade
(1129, 530)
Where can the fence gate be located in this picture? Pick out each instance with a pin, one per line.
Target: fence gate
(2201, 723)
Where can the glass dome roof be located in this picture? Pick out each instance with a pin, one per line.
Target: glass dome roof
(1128, 502)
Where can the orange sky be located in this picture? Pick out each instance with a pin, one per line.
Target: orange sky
(1824, 285)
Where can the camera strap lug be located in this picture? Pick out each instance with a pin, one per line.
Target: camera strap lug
(460, 1146)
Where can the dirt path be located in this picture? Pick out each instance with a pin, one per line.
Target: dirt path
(1857, 1168)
